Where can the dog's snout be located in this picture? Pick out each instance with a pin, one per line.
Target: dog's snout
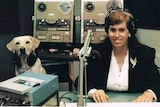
(22, 50)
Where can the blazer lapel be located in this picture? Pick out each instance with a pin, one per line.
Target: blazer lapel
(132, 64)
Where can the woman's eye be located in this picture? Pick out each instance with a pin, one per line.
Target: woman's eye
(112, 29)
(121, 29)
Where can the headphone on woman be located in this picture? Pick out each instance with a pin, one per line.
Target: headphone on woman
(130, 24)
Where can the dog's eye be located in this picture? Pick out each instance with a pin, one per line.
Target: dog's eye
(27, 42)
(17, 43)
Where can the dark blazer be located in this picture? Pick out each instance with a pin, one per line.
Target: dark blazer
(144, 75)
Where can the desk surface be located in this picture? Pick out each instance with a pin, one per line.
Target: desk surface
(116, 100)
(113, 97)
(122, 97)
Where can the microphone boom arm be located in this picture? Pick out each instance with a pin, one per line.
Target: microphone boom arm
(83, 54)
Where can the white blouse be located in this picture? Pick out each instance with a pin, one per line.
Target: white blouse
(118, 80)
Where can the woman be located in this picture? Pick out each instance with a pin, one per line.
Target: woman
(125, 64)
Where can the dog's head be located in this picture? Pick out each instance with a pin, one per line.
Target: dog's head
(23, 45)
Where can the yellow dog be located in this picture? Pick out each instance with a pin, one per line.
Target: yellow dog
(23, 48)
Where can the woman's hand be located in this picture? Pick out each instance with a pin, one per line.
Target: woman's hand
(76, 51)
(145, 97)
(100, 96)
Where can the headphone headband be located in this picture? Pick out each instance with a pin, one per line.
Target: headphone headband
(130, 24)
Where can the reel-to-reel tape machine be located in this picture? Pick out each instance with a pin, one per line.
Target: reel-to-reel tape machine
(53, 20)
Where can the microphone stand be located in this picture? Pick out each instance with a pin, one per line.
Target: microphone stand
(83, 54)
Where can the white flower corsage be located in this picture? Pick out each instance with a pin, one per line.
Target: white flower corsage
(133, 61)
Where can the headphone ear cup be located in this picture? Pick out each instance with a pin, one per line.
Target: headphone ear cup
(134, 29)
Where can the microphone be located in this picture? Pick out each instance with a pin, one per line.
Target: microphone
(95, 55)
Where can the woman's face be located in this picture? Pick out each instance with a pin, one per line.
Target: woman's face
(118, 35)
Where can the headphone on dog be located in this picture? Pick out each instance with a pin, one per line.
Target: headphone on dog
(130, 24)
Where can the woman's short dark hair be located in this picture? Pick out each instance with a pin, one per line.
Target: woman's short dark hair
(119, 16)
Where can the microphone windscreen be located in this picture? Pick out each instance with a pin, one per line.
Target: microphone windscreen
(95, 55)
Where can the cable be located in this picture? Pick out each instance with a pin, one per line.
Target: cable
(68, 98)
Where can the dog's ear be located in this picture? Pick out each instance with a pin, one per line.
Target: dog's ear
(10, 46)
(35, 42)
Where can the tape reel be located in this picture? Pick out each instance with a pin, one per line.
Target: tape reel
(64, 7)
(114, 5)
(41, 7)
(89, 7)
